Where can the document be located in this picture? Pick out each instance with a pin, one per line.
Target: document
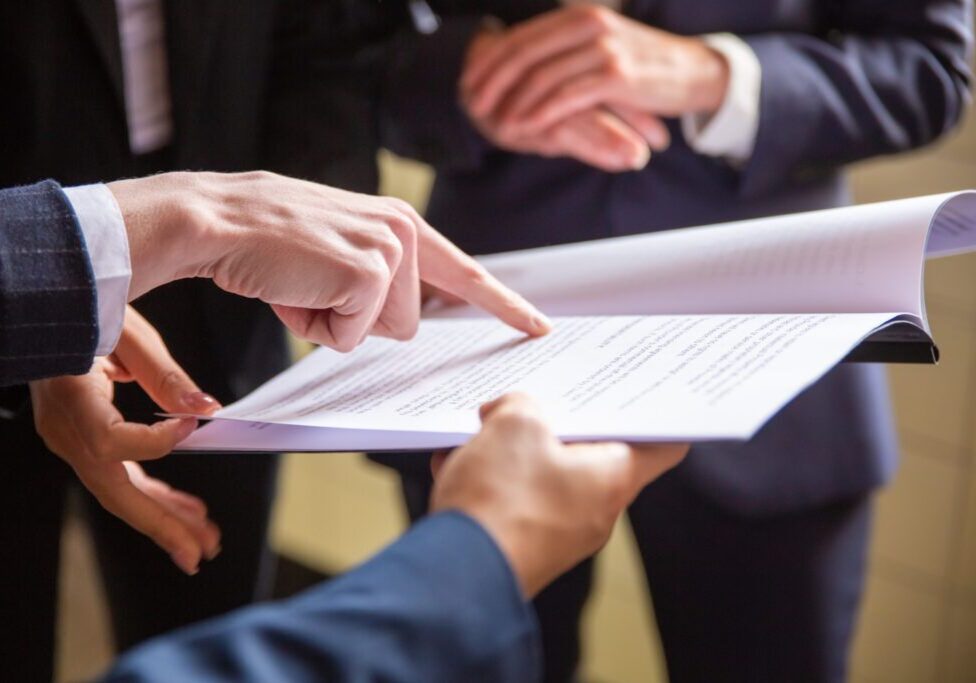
(859, 259)
(698, 334)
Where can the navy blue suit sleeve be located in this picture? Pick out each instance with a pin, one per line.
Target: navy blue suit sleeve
(438, 605)
(884, 76)
(48, 309)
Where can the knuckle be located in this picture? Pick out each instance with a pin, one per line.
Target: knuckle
(408, 330)
(375, 273)
(102, 447)
(598, 18)
(515, 419)
(617, 68)
(168, 378)
(344, 345)
(606, 47)
(348, 269)
(391, 248)
(258, 175)
(402, 206)
(507, 419)
(367, 274)
(404, 225)
(474, 273)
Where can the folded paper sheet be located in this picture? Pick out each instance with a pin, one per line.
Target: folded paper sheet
(651, 378)
(696, 334)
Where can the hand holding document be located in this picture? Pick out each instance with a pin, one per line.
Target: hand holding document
(696, 334)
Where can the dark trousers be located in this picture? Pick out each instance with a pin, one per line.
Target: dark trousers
(750, 599)
(147, 594)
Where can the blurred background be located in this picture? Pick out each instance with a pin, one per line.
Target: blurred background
(919, 619)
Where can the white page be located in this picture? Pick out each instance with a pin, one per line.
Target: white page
(858, 259)
(240, 437)
(953, 229)
(658, 378)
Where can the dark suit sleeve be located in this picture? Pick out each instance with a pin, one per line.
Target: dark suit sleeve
(438, 605)
(421, 116)
(48, 309)
(884, 76)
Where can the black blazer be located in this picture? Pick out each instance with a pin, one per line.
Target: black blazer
(48, 311)
(253, 84)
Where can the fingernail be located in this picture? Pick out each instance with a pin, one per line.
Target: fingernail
(642, 159)
(541, 323)
(660, 141)
(198, 401)
(212, 555)
(187, 561)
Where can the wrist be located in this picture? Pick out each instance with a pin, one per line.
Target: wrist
(522, 544)
(711, 80)
(167, 232)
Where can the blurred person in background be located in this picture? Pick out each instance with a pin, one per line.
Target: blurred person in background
(549, 123)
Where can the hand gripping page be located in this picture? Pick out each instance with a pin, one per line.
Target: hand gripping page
(695, 334)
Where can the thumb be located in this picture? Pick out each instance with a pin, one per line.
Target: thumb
(142, 351)
(652, 460)
(630, 467)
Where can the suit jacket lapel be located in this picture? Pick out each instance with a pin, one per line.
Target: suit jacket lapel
(102, 22)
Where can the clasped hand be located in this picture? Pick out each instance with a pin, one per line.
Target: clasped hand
(588, 83)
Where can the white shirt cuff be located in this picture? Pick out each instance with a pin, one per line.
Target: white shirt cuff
(108, 248)
(729, 133)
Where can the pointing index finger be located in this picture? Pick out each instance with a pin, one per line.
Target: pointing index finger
(445, 266)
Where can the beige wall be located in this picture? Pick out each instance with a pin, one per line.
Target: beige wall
(919, 619)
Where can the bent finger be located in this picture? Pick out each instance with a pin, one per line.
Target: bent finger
(338, 331)
(116, 493)
(144, 354)
(580, 94)
(491, 73)
(545, 79)
(601, 140)
(189, 509)
(400, 314)
(650, 127)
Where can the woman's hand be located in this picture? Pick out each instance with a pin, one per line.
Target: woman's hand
(79, 422)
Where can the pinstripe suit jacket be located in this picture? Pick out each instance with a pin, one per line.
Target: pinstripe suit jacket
(48, 306)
